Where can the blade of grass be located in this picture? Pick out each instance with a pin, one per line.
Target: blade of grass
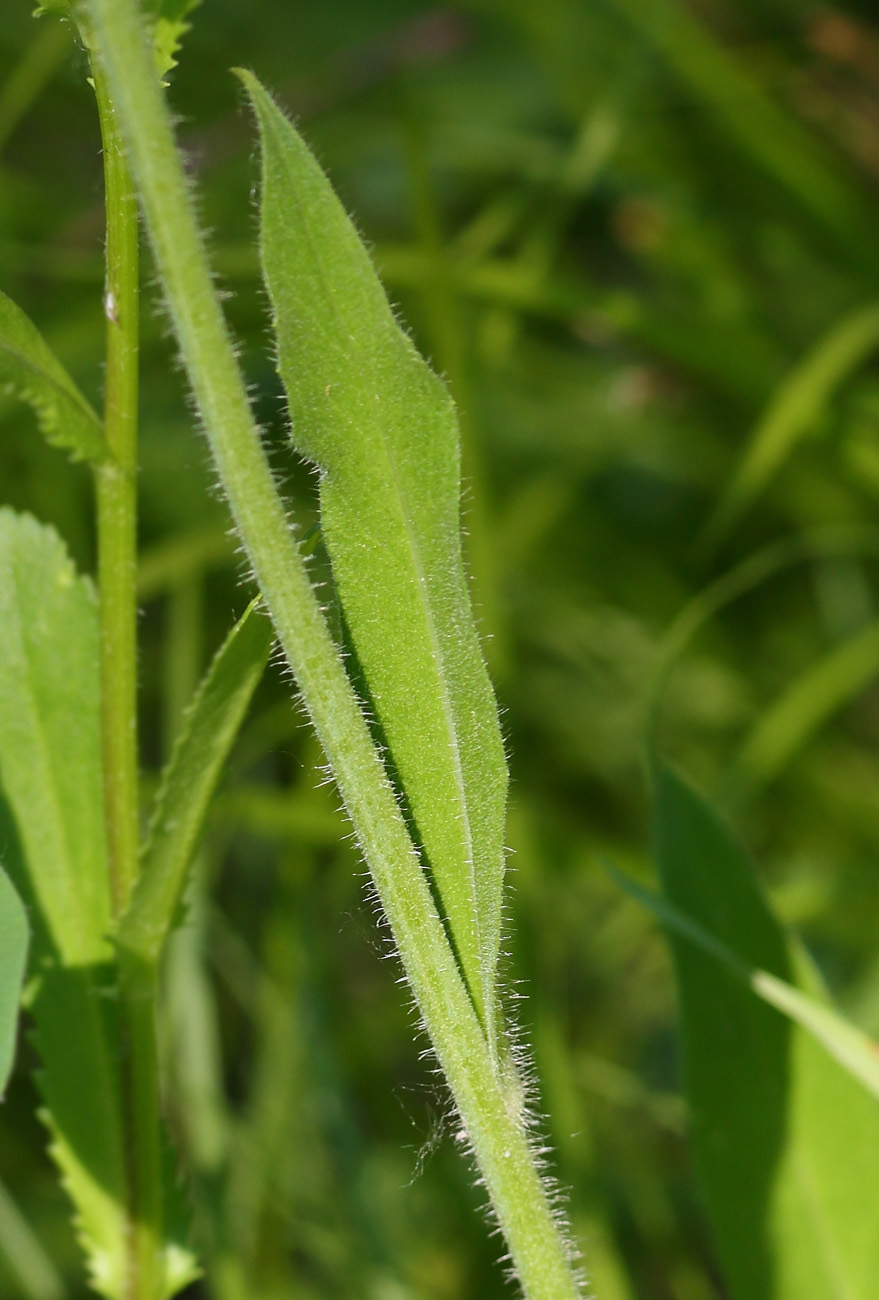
(784, 1121)
(854, 1050)
(797, 402)
(745, 577)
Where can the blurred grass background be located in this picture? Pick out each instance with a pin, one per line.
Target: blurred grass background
(640, 241)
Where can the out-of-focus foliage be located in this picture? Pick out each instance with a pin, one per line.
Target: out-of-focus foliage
(627, 234)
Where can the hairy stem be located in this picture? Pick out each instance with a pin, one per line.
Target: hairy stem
(117, 513)
(490, 1109)
(117, 574)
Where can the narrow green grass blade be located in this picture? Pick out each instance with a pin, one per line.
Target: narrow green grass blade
(382, 429)
(190, 780)
(855, 1051)
(786, 1138)
(50, 765)
(30, 370)
(793, 409)
(808, 702)
(13, 955)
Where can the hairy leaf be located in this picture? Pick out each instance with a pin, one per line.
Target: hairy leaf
(381, 427)
(50, 764)
(786, 1140)
(169, 19)
(30, 370)
(193, 773)
(13, 955)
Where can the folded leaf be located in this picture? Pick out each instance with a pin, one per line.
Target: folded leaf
(786, 1140)
(188, 785)
(30, 370)
(13, 955)
(381, 427)
(50, 766)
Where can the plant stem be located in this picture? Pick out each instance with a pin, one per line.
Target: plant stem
(117, 513)
(117, 578)
(490, 1109)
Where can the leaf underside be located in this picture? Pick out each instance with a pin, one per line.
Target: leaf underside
(771, 1112)
(381, 427)
(30, 370)
(50, 765)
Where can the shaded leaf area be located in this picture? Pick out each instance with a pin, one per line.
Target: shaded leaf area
(381, 427)
(30, 370)
(770, 1111)
(50, 764)
(13, 955)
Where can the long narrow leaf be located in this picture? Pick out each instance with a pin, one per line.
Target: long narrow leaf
(855, 1051)
(30, 370)
(381, 427)
(786, 1138)
(209, 729)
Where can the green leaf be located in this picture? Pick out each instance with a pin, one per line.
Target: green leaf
(13, 956)
(381, 427)
(855, 1051)
(169, 28)
(786, 1140)
(50, 765)
(50, 749)
(190, 780)
(30, 370)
